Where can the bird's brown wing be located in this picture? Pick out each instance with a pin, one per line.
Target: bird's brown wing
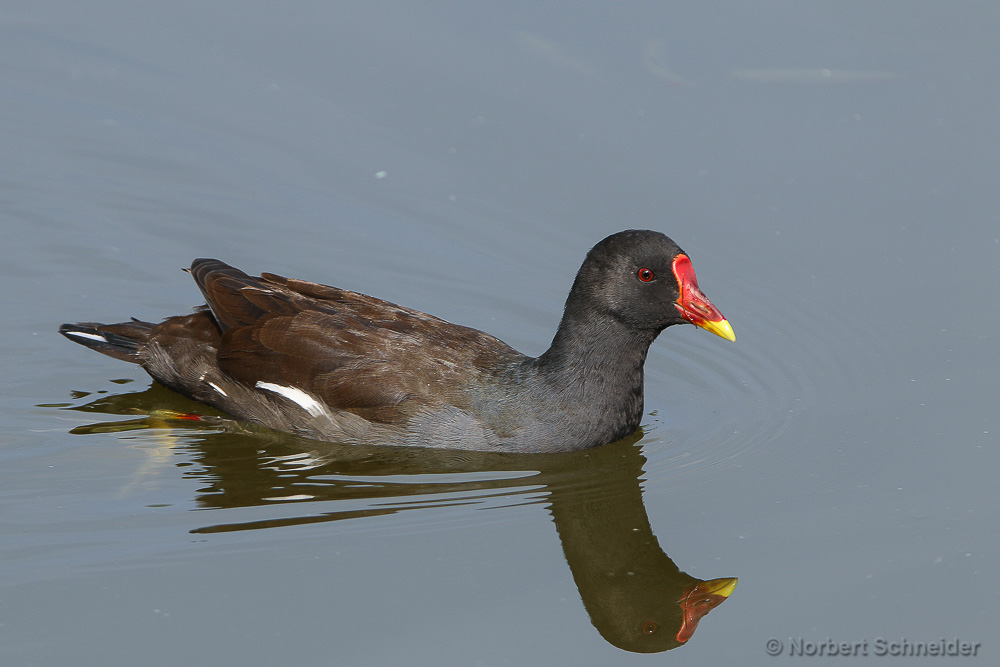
(352, 351)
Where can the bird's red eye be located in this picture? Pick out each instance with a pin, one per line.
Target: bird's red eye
(645, 275)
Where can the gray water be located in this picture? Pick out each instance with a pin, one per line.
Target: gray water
(831, 169)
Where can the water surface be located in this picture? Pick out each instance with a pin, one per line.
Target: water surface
(839, 206)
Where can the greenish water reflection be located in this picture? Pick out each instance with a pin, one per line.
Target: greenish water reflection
(636, 596)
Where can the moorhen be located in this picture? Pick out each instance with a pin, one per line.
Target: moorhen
(336, 365)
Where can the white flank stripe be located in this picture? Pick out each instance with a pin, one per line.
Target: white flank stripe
(297, 396)
(218, 388)
(84, 334)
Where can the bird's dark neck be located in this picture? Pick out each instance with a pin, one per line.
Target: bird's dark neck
(595, 364)
(600, 346)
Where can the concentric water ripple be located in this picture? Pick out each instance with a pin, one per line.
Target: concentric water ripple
(714, 403)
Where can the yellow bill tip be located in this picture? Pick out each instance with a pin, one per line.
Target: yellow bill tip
(722, 587)
(720, 328)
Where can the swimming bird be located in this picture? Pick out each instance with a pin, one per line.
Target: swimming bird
(336, 365)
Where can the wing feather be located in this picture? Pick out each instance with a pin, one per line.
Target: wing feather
(354, 352)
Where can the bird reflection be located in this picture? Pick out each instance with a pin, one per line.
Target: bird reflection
(635, 595)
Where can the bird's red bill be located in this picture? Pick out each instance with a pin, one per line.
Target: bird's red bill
(700, 599)
(694, 306)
